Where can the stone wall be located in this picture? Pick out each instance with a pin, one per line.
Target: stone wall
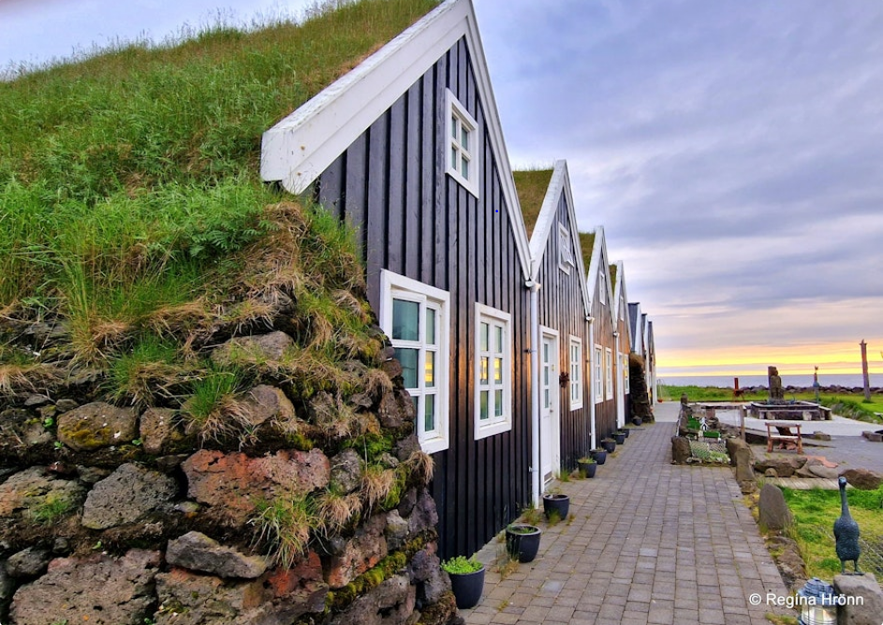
(311, 511)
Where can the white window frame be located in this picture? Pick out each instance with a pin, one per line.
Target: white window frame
(565, 250)
(576, 372)
(626, 383)
(599, 374)
(495, 424)
(393, 285)
(457, 117)
(608, 366)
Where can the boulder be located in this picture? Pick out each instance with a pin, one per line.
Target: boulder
(424, 516)
(29, 562)
(680, 450)
(157, 430)
(97, 425)
(863, 479)
(99, 589)
(265, 403)
(127, 495)
(39, 492)
(785, 466)
(820, 470)
(773, 509)
(346, 471)
(270, 346)
(364, 550)
(234, 482)
(198, 552)
(866, 587)
(391, 603)
(821, 436)
(425, 571)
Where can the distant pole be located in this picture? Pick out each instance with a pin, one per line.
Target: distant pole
(865, 377)
(815, 383)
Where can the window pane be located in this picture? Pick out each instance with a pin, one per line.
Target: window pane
(454, 159)
(464, 138)
(430, 369)
(482, 406)
(454, 123)
(430, 326)
(498, 403)
(499, 333)
(546, 398)
(483, 370)
(498, 370)
(408, 358)
(546, 375)
(429, 413)
(483, 337)
(405, 320)
(464, 167)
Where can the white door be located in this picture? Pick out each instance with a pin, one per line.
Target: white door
(548, 407)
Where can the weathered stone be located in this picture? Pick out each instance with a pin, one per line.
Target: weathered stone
(265, 403)
(771, 473)
(406, 405)
(391, 603)
(424, 516)
(170, 463)
(407, 446)
(61, 546)
(866, 587)
(346, 470)
(820, 470)
(785, 466)
(29, 562)
(396, 531)
(735, 444)
(187, 508)
(127, 495)
(821, 436)
(741, 458)
(66, 405)
(680, 450)
(360, 553)
(92, 475)
(789, 561)
(97, 425)
(99, 590)
(198, 552)
(234, 482)
(17, 424)
(36, 490)
(805, 473)
(407, 502)
(35, 400)
(392, 368)
(270, 346)
(773, 509)
(157, 430)
(7, 587)
(389, 412)
(863, 479)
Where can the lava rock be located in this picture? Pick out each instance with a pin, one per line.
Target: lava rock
(774, 511)
(157, 430)
(346, 470)
(270, 346)
(29, 562)
(866, 587)
(127, 495)
(863, 479)
(97, 425)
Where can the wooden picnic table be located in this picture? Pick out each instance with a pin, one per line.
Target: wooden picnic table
(783, 434)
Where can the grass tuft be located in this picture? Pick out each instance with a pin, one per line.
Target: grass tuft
(285, 524)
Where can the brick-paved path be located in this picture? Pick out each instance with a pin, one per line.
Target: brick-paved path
(649, 542)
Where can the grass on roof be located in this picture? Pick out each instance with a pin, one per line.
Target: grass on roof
(531, 186)
(612, 275)
(128, 179)
(587, 244)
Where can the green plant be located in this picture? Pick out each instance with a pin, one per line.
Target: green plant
(50, 510)
(285, 523)
(460, 565)
(531, 515)
(586, 460)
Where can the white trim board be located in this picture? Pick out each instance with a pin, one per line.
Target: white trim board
(305, 143)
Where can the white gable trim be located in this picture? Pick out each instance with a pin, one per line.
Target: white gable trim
(539, 240)
(599, 262)
(300, 147)
(622, 305)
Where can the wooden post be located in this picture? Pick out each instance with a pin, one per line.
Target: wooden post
(865, 379)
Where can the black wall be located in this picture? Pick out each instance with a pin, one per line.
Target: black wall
(415, 220)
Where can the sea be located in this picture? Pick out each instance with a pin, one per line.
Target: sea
(848, 380)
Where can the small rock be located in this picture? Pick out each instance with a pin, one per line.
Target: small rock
(863, 479)
(391, 602)
(91, 475)
(821, 436)
(773, 509)
(61, 546)
(187, 508)
(771, 473)
(364, 550)
(270, 346)
(820, 470)
(785, 466)
(265, 403)
(47, 413)
(19, 425)
(29, 562)
(37, 400)
(66, 405)
(129, 494)
(680, 450)
(96, 425)
(157, 429)
(346, 470)
(198, 552)
(424, 516)
(396, 531)
(38, 492)
(169, 464)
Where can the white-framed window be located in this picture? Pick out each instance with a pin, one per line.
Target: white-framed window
(608, 371)
(415, 317)
(565, 251)
(599, 375)
(576, 372)
(463, 145)
(626, 385)
(602, 286)
(493, 371)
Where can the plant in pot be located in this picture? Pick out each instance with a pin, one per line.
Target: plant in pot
(599, 454)
(523, 541)
(588, 466)
(625, 430)
(467, 580)
(619, 437)
(556, 503)
(609, 444)
(636, 420)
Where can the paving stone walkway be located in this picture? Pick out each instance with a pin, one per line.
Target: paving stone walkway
(648, 542)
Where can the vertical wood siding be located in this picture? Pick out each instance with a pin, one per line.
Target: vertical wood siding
(561, 308)
(605, 411)
(416, 221)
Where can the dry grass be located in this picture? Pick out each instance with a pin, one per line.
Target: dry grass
(337, 510)
(377, 484)
(421, 465)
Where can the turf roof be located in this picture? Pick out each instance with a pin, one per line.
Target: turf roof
(612, 275)
(531, 186)
(587, 244)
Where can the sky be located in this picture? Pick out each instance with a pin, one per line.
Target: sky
(732, 151)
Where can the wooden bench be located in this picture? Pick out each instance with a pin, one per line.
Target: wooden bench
(783, 434)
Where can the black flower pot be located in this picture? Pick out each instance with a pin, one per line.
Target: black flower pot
(625, 432)
(637, 421)
(600, 455)
(559, 504)
(619, 437)
(467, 588)
(588, 468)
(523, 542)
(610, 446)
